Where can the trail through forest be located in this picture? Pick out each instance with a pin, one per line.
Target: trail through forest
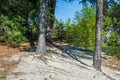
(72, 63)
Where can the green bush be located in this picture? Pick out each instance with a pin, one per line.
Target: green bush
(113, 45)
(114, 51)
(13, 29)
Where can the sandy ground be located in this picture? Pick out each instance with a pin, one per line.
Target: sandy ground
(70, 64)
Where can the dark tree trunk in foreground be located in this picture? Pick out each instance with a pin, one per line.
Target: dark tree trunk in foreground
(42, 23)
(97, 55)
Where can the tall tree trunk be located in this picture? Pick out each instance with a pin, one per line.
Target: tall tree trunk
(97, 55)
(41, 39)
(50, 21)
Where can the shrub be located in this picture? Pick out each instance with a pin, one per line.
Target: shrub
(114, 51)
(114, 45)
(13, 29)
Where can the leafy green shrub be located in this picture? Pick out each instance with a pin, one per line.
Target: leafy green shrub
(114, 45)
(114, 40)
(114, 50)
(15, 38)
(1, 38)
(82, 34)
(13, 29)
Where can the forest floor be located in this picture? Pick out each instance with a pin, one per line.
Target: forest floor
(70, 63)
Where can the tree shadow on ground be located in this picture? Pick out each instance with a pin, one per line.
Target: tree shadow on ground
(27, 47)
(75, 53)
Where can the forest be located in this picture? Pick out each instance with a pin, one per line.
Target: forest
(19, 23)
(95, 28)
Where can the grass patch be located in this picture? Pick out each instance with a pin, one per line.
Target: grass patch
(48, 54)
(2, 71)
(2, 76)
(45, 79)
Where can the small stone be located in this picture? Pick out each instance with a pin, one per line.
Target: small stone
(51, 76)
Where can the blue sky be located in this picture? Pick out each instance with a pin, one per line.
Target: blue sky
(65, 10)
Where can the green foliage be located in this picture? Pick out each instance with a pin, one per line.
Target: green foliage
(107, 21)
(114, 11)
(113, 45)
(33, 32)
(59, 30)
(48, 54)
(2, 76)
(45, 79)
(13, 29)
(83, 33)
(114, 50)
(114, 40)
(86, 12)
(15, 16)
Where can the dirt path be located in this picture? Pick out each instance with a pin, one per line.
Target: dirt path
(63, 65)
(66, 63)
(6, 52)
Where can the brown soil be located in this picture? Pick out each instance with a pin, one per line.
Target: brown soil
(112, 62)
(7, 51)
(113, 66)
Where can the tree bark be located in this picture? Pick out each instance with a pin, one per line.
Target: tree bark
(97, 55)
(42, 23)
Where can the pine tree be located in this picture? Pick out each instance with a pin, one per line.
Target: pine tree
(42, 18)
(97, 55)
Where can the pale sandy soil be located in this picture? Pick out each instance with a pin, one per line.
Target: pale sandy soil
(71, 64)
